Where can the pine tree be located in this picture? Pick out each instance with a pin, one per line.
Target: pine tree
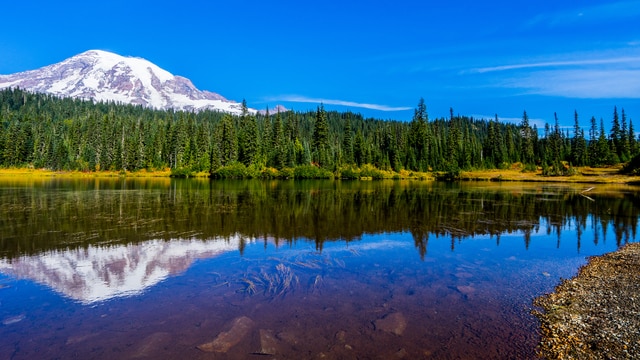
(228, 141)
(624, 150)
(579, 144)
(633, 143)
(278, 157)
(359, 150)
(320, 141)
(528, 137)
(615, 133)
(603, 153)
(248, 145)
(418, 137)
(593, 143)
(347, 142)
(453, 144)
(266, 144)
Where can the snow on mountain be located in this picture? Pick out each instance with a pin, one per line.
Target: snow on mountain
(275, 110)
(105, 76)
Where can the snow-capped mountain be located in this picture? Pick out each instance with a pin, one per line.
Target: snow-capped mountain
(105, 76)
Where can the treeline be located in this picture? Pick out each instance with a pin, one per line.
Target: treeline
(43, 131)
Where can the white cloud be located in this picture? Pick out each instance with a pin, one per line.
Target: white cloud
(566, 63)
(304, 99)
(596, 75)
(580, 83)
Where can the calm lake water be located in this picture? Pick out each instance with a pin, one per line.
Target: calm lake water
(174, 269)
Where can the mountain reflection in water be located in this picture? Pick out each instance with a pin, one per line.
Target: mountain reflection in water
(97, 273)
(301, 269)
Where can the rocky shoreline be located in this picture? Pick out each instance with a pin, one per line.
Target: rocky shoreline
(595, 315)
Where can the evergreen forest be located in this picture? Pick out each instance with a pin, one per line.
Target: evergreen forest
(45, 132)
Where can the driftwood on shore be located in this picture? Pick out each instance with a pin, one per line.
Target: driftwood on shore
(595, 315)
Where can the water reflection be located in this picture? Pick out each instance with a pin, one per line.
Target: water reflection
(96, 273)
(293, 269)
(45, 215)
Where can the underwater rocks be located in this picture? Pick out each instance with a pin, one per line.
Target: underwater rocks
(268, 343)
(149, 346)
(240, 327)
(394, 323)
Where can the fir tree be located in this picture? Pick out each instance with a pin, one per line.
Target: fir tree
(579, 144)
(418, 137)
(528, 137)
(279, 151)
(248, 145)
(347, 142)
(320, 142)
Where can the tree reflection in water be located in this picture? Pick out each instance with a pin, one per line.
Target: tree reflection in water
(41, 215)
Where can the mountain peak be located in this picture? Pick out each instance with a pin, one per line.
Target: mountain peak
(105, 76)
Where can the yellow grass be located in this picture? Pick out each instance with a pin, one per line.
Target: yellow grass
(40, 173)
(607, 175)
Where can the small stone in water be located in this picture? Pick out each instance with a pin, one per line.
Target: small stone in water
(288, 337)
(150, 345)
(268, 343)
(392, 323)
(240, 326)
(465, 290)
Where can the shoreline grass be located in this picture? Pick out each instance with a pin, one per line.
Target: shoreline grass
(587, 175)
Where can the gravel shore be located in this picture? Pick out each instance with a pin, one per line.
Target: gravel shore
(595, 315)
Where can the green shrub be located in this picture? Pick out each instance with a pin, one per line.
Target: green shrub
(369, 170)
(182, 173)
(286, 173)
(235, 170)
(311, 172)
(269, 173)
(350, 173)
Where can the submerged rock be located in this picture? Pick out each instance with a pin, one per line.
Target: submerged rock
(465, 290)
(394, 323)
(268, 343)
(240, 327)
(80, 338)
(400, 354)
(289, 337)
(149, 347)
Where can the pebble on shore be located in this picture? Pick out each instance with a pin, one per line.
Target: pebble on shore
(595, 315)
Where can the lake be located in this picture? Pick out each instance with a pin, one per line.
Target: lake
(173, 268)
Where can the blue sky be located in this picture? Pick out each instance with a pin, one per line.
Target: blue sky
(373, 57)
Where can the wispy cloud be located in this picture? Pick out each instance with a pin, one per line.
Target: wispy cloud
(304, 99)
(574, 75)
(580, 83)
(590, 14)
(567, 63)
